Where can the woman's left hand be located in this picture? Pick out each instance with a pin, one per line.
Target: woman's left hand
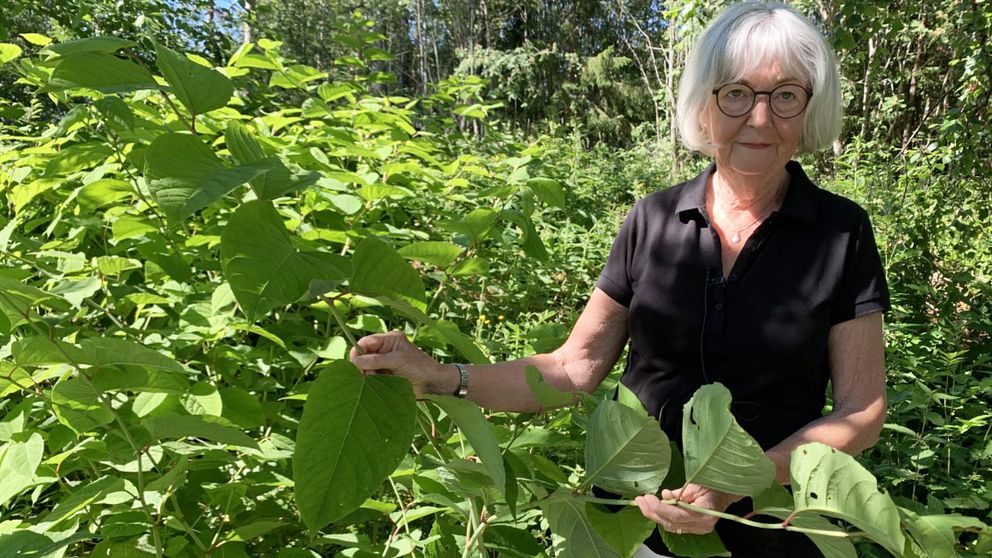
(682, 521)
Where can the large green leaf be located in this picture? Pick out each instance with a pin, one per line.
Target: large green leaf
(475, 225)
(379, 270)
(199, 88)
(263, 267)
(830, 482)
(102, 44)
(777, 502)
(186, 175)
(354, 431)
(83, 496)
(626, 452)
(8, 52)
(103, 72)
(719, 454)
(695, 546)
(469, 418)
(208, 427)
(937, 535)
(277, 182)
(17, 300)
(77, 404)
(567, 518)
(441, 254)
(18, 463)
(548, 191)
(624, 530)
(547, 395)
(99, 352)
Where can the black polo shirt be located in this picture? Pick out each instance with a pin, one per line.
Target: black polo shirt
(760, 328)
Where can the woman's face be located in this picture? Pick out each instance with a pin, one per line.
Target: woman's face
(759, 142)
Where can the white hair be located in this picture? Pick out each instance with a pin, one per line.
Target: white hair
(750, 35)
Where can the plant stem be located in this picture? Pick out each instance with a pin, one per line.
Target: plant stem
(344, 327)
(730, 517)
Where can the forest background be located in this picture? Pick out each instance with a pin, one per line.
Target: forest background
(539, 123)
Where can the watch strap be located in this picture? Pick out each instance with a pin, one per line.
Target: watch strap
(462, 390)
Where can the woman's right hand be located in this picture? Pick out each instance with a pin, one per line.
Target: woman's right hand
(392, 353)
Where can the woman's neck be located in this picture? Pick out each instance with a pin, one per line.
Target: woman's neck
(737, 193)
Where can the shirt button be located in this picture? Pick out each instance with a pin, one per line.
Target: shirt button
(718, 306)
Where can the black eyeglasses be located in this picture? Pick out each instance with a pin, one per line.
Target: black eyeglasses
(785, 101)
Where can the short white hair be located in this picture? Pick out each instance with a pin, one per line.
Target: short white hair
(750, 35)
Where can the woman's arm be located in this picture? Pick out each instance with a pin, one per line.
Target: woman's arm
(581, 363)
(857, 374)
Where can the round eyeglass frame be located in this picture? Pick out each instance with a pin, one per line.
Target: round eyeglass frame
(754, 99)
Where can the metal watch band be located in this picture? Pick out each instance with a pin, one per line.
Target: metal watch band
(462, 390)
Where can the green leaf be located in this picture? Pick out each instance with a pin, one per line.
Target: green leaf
(203, 398)
(102, 192)
(263, 267)
(116, 112)
(471, 266)
(830, 482)
(39, 350)
(105, 73)
(23, 543)
(624, 530)
(8, 52)
(937, 535)
(77, 405)
(626, 452)
(441, 254)
(18, 463)
(694, 546)
(208, 427)
(469, 418)
(84, 495)
(355, 430)
(719, 454)
(530, 241)
(776, 501)
(241, 408)
(278, 181)
(567, 518)
(36, 39)
(109, 351)
(629, 399)
(547, 395)
(548, 191)
(454, 337)
(76, 291)
(199, 88)
(139, 380)
(379, 270)
(101, 44)
(186, 176)
(17, 299)
(78, 157)
(475, 225)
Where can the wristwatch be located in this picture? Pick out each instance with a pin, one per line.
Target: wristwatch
(462, 390)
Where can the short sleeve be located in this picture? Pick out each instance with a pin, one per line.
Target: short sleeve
(863, 289)
(615, 280)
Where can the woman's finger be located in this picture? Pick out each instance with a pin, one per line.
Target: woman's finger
(374, 362)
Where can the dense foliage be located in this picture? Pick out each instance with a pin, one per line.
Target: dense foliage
(162, 331)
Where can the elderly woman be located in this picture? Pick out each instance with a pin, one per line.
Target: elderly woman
(748, 275)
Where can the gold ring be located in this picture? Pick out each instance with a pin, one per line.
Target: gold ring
(678, 531)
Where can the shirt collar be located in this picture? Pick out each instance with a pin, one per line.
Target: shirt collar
(801, 201)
